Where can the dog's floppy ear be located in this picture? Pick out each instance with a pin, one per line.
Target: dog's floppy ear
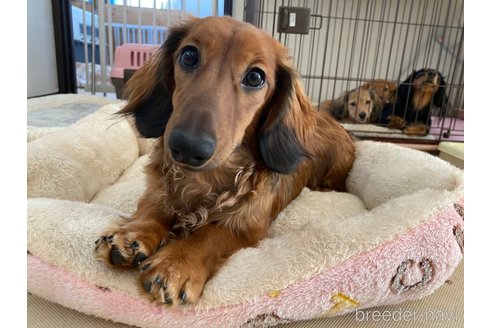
(339, 107)
(149, 91)
(278, 137)
(440, 95)
(404, 92)
(377, 106)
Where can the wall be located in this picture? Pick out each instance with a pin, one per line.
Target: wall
(41, 59)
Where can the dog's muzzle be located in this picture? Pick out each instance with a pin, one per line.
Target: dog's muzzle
(431, 76)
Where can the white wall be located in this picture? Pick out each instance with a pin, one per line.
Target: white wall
(41, 59)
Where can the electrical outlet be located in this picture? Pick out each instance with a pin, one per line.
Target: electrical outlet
(293, 20)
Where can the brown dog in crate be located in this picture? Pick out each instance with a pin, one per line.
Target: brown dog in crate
(385, 90)
(359, 105)
(414, 98)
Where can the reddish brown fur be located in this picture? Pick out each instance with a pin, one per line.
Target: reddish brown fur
(385, 90)
(424, 90)
(205, 214)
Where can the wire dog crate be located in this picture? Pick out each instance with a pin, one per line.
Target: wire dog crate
(352, 42)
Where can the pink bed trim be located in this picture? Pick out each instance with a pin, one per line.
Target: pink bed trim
(365, 280)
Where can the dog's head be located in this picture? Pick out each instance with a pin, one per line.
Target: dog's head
(354, 106)
(424, 86)
(217, 83)
(359, 103)
(385, 90)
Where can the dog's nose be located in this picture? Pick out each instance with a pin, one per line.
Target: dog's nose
(191, 149)
(362, 115)
(431, 73)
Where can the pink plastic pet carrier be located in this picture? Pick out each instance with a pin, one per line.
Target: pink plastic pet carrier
(127, 59)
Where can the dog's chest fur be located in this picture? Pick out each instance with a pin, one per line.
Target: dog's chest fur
(194, 198)
(422, 99)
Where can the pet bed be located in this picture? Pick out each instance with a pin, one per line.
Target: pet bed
(396, 235)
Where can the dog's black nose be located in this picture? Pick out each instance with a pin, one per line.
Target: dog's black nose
(191, 149)
(362, 115)
(431, 73)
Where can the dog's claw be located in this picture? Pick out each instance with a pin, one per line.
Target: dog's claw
(182, 297)
(134, 245)
(139, 258)
(167, 299)
(101, 240)
(145, 267)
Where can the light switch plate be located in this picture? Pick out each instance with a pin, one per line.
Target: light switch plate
(293, 20)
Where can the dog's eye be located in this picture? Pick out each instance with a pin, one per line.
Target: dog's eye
(254, 78)
(189, 57)
(353, 104)
(368, 102)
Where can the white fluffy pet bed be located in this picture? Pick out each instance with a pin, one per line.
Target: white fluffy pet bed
(396, 235)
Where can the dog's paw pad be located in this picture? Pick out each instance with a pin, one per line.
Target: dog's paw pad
(121, 249)
(116, 258)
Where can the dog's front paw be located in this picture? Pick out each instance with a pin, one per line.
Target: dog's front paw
(416, 130)
(396, 122)
(129, 244)
(174, 275)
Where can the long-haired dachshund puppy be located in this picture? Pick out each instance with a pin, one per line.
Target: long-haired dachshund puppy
(415, 96)
(355, 106)
(237, 140)
(385, 90)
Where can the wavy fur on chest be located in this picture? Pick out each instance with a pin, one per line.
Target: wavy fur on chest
(195, 198)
